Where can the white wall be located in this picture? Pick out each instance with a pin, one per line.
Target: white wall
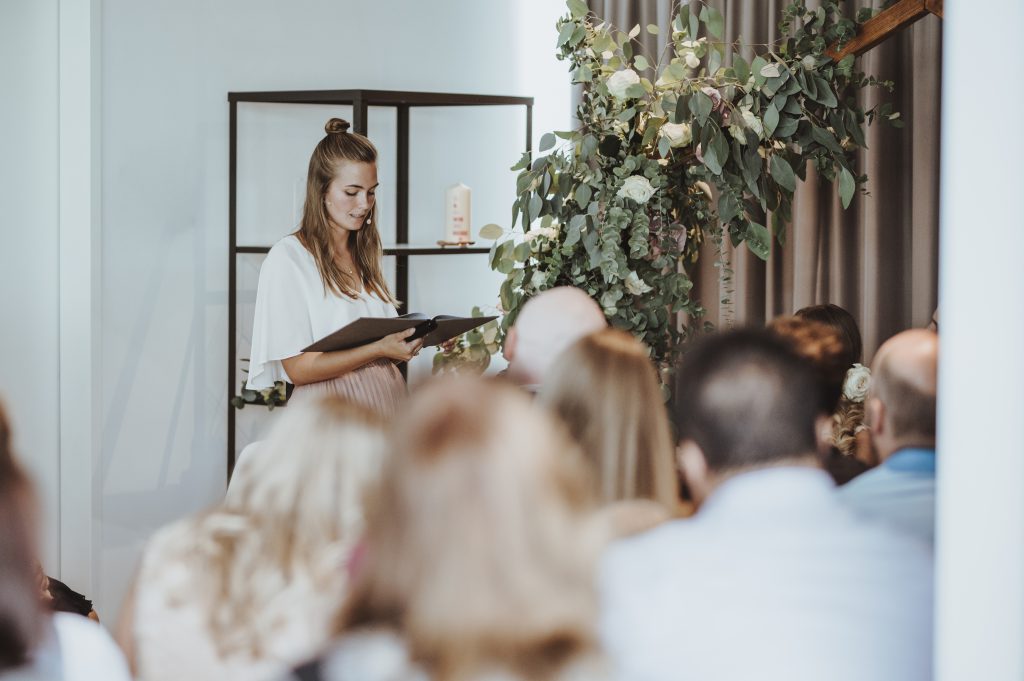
(166, 69)
(29, 278)
(980, 531)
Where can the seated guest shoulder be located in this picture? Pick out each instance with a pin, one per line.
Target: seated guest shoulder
(74, 649)
(772, 579)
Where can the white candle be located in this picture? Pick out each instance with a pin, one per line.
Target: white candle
(457, 213)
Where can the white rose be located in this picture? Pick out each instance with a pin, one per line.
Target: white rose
(636, 285)
(538, 279)
(691, 59)
(620, 81)
(858, 379)
(678, 134)
(637, 188)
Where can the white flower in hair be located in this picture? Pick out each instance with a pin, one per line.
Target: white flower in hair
(858, 379)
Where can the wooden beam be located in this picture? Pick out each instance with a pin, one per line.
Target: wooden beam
(894, 18)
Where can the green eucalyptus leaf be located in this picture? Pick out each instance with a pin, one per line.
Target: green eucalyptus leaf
(771, 120)
(573, 232)
(584, 74)
(664, 147)
(582, 195)
(759, 240)
(823, 92)
(786, 126)
(547, 141)
(700, 106)
(741, 68)
(652, 29)
(847, 186)
(636, 90)
(728, 207)
(565, 33)
(578, 8)
(826, 139)
(535, 205)
(491, 231)
(782, 172)
(640, 62)
(714, 61)
(714, 20)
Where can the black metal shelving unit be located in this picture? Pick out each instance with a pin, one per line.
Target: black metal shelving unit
(360, 101)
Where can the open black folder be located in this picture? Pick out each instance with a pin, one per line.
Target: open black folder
(365, 330)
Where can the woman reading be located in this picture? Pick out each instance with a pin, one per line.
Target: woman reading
(325, 275)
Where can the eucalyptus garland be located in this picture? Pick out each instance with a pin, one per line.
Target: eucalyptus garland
(706, 142)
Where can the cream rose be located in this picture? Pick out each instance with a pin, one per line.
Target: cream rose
(677, 134)
(636, 285)
(858, 380)
(620, 81)
(691, 59)
(638, 188)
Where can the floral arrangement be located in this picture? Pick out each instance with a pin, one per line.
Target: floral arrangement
(268, 397)
(705, 143)
(471, 352)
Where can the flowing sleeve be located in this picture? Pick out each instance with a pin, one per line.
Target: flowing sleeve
(281, 326)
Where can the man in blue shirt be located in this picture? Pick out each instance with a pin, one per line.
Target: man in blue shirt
(900, 413)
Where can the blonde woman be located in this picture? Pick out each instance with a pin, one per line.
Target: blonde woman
(325, 275)
(251, 588)
(605, 389)
(478, 562)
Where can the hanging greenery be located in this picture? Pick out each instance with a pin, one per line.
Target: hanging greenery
(706, 142)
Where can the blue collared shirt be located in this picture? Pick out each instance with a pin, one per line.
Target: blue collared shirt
(900, 492)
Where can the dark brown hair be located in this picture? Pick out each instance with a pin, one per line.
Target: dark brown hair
(337, 147)
(747, 400)
(840, 320)
(21, 609)
(823, 347)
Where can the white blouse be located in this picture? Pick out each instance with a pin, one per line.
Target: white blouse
(293, 311)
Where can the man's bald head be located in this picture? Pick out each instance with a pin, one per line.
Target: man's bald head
(905, 379)
(548, 324)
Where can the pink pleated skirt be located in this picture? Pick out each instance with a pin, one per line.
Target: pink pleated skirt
(378, 385)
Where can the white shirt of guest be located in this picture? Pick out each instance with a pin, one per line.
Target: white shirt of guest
(773, 579)
(75, 649)
(293, 311)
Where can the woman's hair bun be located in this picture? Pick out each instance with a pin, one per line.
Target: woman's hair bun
(336, 126)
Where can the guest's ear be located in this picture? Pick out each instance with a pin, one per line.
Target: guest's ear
(874, 416)
(694, 467)
(509, 351)
(823, 429)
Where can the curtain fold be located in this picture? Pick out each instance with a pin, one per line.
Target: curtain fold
(879, 258)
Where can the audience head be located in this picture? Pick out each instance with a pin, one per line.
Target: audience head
(21, 608)
(476, 552)
(823, 348)
(340, 190)
(842, 322)
(292, 515)
(900, 407)
(548, 324)
(745, 401)
(605, 389)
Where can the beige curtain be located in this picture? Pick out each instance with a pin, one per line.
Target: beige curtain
(879, 258)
